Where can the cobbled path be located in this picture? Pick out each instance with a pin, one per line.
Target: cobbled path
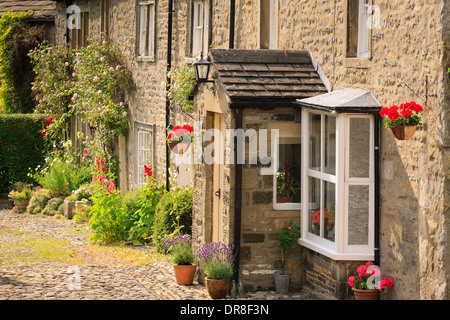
(100, 276)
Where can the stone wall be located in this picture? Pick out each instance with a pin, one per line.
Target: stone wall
(260, 257)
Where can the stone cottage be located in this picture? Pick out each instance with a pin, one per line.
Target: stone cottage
(317, 73)
(392, 195)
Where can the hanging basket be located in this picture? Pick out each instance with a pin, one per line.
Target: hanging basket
(403, 132)
(179, 147)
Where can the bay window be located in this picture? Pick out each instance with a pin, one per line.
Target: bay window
(338, 178)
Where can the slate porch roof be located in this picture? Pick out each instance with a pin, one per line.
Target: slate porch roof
(266, 77)
(42, 8)
(354, 100)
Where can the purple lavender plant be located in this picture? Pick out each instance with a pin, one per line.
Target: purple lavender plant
(217, 260)
(180, 248)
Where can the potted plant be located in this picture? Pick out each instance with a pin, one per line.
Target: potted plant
(285, 239)
(180, 139)
(217, 261)
(21, 195)
(179, 246)
(365, 284)
(402, 120)
(287, 185)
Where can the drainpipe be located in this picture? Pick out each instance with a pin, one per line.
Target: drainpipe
(377, 188)
(169, 66)
(68, 3)
(237, 202)
(232, 23)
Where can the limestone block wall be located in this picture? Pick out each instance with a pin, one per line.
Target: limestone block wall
(260, 256)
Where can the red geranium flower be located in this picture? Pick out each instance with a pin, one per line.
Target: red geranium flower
(393, 114)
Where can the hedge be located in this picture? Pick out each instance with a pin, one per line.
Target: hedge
(173, 211)
(21, 147)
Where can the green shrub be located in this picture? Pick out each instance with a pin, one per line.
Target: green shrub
(54, 206)
(38, 202)
(21, 147)
(174, 211)
(61, 178)
(124, 216)
(108, 219)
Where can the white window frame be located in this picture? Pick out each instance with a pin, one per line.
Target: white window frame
(146, 30)
(273, 24)
(200, 28)
(275, 157)
(363, 29)
(339, 249)
(145, 155)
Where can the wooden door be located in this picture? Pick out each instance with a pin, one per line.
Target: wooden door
(219, 146)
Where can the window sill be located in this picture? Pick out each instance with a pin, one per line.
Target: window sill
(334, 255)
(357, 63)
(287, 206)
(145, 59)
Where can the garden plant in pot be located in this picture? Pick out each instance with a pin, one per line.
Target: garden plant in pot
(217, 261)
(285, 239)
(21, 195)
(179, 246)
(366, 284)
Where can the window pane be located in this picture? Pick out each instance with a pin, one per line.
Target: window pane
(363, 30)
(359, 149)
(197, 31)
(144, 154)
(314, 205)
(142, 30)
(151, 31)
(288, 176)
(330, 145)
(328, 218)
(358, 215)
(314, 141)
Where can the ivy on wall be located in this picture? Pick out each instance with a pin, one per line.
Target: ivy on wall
(18, 35)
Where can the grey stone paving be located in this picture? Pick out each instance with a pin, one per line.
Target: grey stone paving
(104, 278)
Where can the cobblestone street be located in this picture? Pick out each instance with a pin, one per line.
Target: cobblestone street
(43, 258)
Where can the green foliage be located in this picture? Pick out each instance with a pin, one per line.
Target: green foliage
(38, 202)
(21, 147)
(123, 216)
(174, 211)
(287, 237)
(17, 38)
(182, 81)
(21, 191)
(142, 212)
(179, 246)
(88, 83)
(108, 219)
(62, 177)
(53, 207)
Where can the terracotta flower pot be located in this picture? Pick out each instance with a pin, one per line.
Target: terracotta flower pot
(218, 288)
(184, 274)
(179, 147)
(366, 294)
(21, 204)
(286, 199)
(403, 132)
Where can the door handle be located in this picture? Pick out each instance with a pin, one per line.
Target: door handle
(217, 193)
